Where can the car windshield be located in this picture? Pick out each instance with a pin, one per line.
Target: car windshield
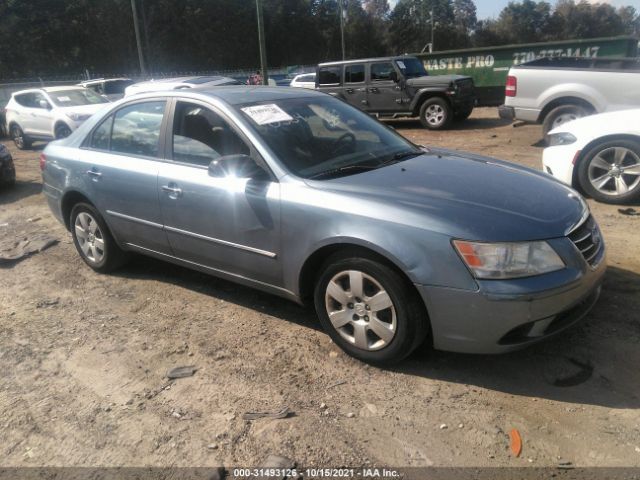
(76, 97)
(411, 67)
(322, 137)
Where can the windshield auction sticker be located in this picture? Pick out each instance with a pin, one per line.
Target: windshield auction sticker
(266, 114)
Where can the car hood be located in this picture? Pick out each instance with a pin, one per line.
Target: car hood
(431, 80)
(620, 122)
(464, 196)
(84, 109)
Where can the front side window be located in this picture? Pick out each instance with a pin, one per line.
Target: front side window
(201, 135)
(136, 129)
(317, 137)
(38, 98)
(354, 74)
(329, 76)
(76, 97)
(381, 71)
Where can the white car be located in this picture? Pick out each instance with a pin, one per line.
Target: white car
(112, 88)
(599, 155)
(49, 113)
(164, 84)
(305, 80)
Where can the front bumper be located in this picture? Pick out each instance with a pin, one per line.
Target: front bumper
(558, 161)
(495, 319)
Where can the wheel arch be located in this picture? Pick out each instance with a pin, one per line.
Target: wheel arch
(575, 183)
(559, 102)
(311, 268)
(425, 95)
(69, 200)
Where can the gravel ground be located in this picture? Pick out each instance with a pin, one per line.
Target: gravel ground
(83, 358)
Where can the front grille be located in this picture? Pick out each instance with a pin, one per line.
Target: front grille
(588, 240)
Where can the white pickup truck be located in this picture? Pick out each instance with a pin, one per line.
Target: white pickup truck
(553, 91)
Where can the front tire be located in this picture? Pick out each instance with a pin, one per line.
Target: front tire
(610, 172)
(436, 114)
(368, 309)
(93, 240)
(20, 140)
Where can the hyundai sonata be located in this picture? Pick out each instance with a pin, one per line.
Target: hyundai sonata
(299, 194)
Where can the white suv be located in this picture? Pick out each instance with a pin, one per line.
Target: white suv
(49, 113)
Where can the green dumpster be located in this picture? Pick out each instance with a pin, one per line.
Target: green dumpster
(489, 65)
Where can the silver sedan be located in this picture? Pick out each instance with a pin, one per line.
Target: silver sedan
(297, 193)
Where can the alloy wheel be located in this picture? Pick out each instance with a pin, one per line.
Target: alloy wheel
(435, 115)
(90, 237)
(18, 138)
(361, 310)
(615, 171)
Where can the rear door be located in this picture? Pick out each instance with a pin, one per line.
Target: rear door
(355, 88)
(121, 160)
(42, 118)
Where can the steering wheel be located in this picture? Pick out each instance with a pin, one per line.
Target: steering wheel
(336, 146)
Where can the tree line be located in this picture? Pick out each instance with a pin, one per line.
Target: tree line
(67, 37)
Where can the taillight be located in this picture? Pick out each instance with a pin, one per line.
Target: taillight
(511, 89)
(43, 161)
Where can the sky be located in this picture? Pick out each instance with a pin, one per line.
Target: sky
(491, 8)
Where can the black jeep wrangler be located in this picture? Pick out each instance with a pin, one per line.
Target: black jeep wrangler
(394, 87)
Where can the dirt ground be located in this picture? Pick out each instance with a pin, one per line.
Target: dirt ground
(83, 359)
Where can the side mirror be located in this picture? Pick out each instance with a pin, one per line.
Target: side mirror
(394, 76)
(237, 166)
(44, 104)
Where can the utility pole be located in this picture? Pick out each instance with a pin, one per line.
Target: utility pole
(261, 41)
(341, 8)
(143, 70)
(433, 28)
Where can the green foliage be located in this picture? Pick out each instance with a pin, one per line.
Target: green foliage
(62, 37)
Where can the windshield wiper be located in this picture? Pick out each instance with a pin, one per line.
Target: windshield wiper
(339, 170)
(399, 157)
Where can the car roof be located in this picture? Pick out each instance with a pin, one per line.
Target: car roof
(238, 94)
(49, 89)
(102, 80)
(365, 60)
(190, 80)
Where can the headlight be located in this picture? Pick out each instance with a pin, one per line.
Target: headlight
(563, 138)
(508, 260)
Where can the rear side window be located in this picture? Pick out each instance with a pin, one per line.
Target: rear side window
(329, 76)
(354, 74)
(136, 129)
(25, 99)
(381, 71)
(100, 137)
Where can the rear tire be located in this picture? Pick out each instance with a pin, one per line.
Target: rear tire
(62, 131)
(601, 172)
(20, 140)
(436, 114)
(368, 309)
(561, 115)
(93, 240)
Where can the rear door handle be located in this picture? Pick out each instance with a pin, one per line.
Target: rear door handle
(374, 90)
(350, 90)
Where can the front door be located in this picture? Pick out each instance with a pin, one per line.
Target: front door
(120, 170)
(384, 94)
(227, 224)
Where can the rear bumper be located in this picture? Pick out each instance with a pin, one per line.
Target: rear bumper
(483, 322)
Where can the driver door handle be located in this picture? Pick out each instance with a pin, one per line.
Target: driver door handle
(374, 90)
(174, 192)
(350, 90)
